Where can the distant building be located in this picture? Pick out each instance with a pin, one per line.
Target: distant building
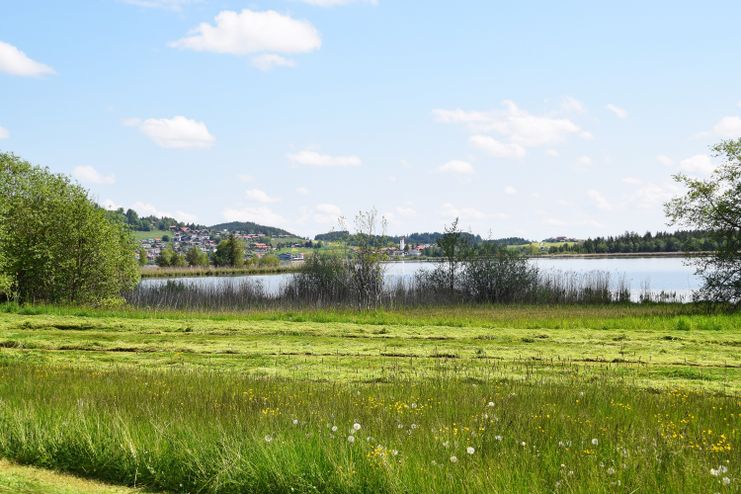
(402, 244)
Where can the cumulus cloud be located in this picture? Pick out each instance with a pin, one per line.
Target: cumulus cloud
(312, 158)
(14, 62)
(599, 200)
(269, 61)
(449, 210)
(651, 196)
(327, 214)
(665, 160)
(573, 105)
(89, 174)
(4, 133)
(517, 125)
(262, 215)
(174, 133)
(263, 34)
(516, 128)
(497, 148)
(457, 166)
(699, 164)
(258, 195)
(148, 209)
(621, 113)
(728, 127)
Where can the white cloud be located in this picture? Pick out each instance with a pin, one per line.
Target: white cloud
(176, 5)
(448, 210)
(573, 105)
(510, 191)
(110, 205)
(584, 161)
(337, 3)
(632, 180)
(699, 164)
(174, 133)
(302, 190)
(269, 61)
(4, 133)
(258, 195)
(406, 211)
(15, 62)
(497, 148)
(518, 126)
(457, 166)
(91, 175)
(728, 127)
(249, 32)
(147, 209)
(621, 113)
(327, 214)
(599, 200)
(665, 160)
(553, 153)
(651, 196)
(261, 215)
(312, 158)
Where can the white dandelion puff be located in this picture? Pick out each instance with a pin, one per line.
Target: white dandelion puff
(726, 481)
(453, 459)
(268, 438)
(351, 439)
(595, 441)
(470, 450)
(498, 438)
(295, 421)
(490, 404)
(356, 426)
(334, 428)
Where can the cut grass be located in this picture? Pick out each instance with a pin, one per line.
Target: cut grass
(20, 479)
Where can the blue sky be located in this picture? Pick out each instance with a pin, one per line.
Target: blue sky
(535, 119)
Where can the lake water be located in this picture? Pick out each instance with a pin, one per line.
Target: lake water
(667, 274)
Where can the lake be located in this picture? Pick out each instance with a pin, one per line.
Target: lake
(667, 274)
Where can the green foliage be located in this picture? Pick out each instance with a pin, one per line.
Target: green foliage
(250, 228)
(142, 256)
(195, 257)
(714, 205)
(55, 243)
(230, 252)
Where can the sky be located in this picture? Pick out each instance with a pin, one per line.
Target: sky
(532, 119)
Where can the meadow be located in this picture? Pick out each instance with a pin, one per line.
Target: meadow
(627, 398)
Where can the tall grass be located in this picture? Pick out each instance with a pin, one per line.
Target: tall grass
(330, 290)
(197, 431)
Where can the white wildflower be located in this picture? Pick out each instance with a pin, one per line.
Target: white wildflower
(498, 438)
(295, 421)
(610, 471)
(268, 438)
(470, 450)
(356, 426)
(726, 481)
(351, 439)
(453, 459)
(595, 441)
(334, 428)
(490, 404)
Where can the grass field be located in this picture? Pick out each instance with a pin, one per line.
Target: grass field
(151, 234)
(485, 399)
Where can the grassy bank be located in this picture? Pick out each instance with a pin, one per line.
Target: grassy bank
(634, 398)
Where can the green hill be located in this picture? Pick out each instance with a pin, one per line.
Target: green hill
(249, 227)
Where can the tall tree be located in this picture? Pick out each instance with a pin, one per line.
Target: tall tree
(452, 243)
(714, 204)
(230, 252)
(57, 244)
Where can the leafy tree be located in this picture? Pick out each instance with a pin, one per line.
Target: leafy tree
(714, 205)
(143, 259)
(453, 246)
(56, 244)
(165, 258)
(196, 257)
(366, 271)
(230, 252)
(165, 238)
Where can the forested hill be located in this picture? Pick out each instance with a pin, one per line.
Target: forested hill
(631, 242)
(146, 223)
(249, 227)
(421, 238)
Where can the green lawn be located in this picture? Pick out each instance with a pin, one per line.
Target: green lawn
(18, 479)
(485, 399)
(151, 234)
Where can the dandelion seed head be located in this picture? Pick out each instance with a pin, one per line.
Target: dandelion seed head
(334, 428)
(295, 421)
(268, 438)
(453, 459)
(595, 441)
(351, 439)
(470, 450)
(356, 426)
(726, 481)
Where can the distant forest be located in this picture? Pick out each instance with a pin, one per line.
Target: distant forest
(631, 242)
(147, 223)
